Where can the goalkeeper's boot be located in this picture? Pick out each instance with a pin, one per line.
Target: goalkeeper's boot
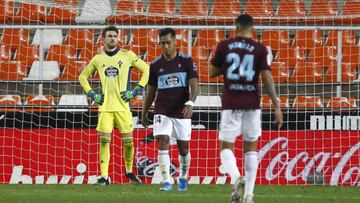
(238, 191)
(102, 181)
(166, 187)
(182, 185)
(133, 178)
(249, 199)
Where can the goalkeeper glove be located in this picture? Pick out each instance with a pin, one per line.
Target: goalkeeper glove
(128, 95)
(98, 98)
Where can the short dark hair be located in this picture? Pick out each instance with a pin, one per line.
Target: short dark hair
(244, 21)
(166, 31)
(109, 28)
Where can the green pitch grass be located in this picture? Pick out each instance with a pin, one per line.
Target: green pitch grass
(150, 193)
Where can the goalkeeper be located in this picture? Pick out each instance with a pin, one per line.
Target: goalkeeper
(113, 66)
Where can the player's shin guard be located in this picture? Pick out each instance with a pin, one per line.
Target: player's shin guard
(251, 165)
(184, 165)
(228, 162)
(164, 164)
(104, 155)
(128, 153)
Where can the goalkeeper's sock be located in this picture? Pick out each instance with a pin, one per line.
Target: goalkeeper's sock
(164, 164)
(104, 155)
(251, 165)
(184, 165)
(228, 162)
(128, 153)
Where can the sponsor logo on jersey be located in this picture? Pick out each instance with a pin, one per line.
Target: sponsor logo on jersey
(172, 80)
(111, 72)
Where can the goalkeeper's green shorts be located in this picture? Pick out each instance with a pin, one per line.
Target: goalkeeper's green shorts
(123, 120)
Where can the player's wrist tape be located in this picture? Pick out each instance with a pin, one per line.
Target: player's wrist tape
(189, 103)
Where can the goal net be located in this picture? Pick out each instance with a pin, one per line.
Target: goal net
(48, 124)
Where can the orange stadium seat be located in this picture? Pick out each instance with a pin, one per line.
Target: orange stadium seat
(341, 102)
(72, 70)
(348, 38)
(324, 55)
(350, 9)
(144, 38)
(209, 38)
(27, 54)
(61, 53)
(6, 11)
(198, 53)
(192, 11)
(203, 71)
(224, 8)
(89, 52)
(15, 37)
(351, 54)
(280, 72)
(5, 52)
(308, 39)
(308, 102)
(267, 103)
(307, 72)
(79, 38)
(291, 56)
(322, 11)
(123, 38)
(152, 53)
(182, 38)
(9, 100)
(292, 11)
(61, 13)
(348, 73)
(12, 70)
(276, 39)
(260, 8)
(160, 11)
(39, 103)
(137, 102)
(29, 13)
(127, 11)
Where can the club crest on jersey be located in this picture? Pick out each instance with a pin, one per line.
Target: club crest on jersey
(111, 72)
(172, 80)
(119, 63)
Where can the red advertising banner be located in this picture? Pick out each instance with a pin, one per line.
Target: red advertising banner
(64, 156)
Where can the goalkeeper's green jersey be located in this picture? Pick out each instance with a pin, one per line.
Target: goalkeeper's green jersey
(114, 71)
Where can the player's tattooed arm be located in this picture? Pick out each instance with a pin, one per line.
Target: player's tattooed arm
(194, 87)
(149, 98)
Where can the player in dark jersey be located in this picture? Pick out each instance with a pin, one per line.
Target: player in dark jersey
(171, 74)
(241, 60)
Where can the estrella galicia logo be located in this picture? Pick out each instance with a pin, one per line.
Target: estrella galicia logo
(172, 80)
(111, 72)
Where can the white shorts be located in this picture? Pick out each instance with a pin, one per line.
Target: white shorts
(236, 122)
(177, 128)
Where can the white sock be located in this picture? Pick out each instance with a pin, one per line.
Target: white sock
(228, 162)
(164, 164)
(184, 165)
(251, 165)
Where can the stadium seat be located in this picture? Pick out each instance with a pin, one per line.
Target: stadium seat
(326, 55)
(12, 70)
(29, 13)
(254, 34)
(224, 8)
(349, 11)
(203, 71)
(127, 11)
(6, 11)
(348, 73)
(341, 102)
(15, 37)
(79, 38)
(308, 39)
(280, 72)
(276, 39)
(63, 13)
(348, 38)
(95, 11)
(192, 12)
(209, 38)
(322, 12)
(61, 53)
(351, 54)
(144, 38)
(291, 56)
(49, 70)
(67, 2)
(9, 103)
(267, 103)
(72, 70)
(198, 53)
(307, 72)
(207, 101)
(39, 103)
(123, 38)
(292, 11)
(152, 53)
(160, 11)
(5, 53)
(182, 38)
(71, 103)
(308, 102)
(27, 54)
(50, 37)
(137, 102)
(89, 52)
(260, 9)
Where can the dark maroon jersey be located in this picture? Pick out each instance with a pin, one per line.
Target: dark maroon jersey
(241, 60)
(171, 78)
